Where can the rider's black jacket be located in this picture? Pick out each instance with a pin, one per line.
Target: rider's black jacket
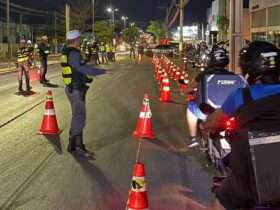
(239, 189)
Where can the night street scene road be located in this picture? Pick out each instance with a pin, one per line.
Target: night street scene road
(137, 105)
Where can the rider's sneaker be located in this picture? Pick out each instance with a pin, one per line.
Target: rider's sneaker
(193, 143)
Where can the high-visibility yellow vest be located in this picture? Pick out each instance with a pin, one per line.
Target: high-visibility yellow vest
(22, 55)
(67, 70)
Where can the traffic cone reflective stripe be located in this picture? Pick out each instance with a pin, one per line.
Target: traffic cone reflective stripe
(144, 123)
(165, 94)
(145, 115)
(50, 112)
(49, 124)
(138, 196)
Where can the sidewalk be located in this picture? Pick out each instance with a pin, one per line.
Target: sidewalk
(5, 68)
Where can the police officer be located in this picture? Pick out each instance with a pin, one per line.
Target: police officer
(75, 76)
(104, 57)
(95, 53)
(23, 65)
(44, 51)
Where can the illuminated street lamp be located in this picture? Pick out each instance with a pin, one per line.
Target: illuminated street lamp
(112, 10)
(124, 18)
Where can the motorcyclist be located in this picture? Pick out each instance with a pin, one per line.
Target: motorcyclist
(217, 61)
(257, 108)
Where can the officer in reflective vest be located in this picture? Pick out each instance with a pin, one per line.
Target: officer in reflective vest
(76, 78)
(104, 57)
(44, 51)
(23, 65)
(95, 54)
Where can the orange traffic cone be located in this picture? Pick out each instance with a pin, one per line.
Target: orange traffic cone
(138, 196)
(165, 94)
(144, 124)
(164, 82)
(49, 124)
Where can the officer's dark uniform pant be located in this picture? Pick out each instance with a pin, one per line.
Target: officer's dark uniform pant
(44, 68)
(23, 69)
(78, 106)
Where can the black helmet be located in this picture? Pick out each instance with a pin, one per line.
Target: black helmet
(218, 58)
(260, 60)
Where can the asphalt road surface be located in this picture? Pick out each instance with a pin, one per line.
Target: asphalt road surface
(37, 173)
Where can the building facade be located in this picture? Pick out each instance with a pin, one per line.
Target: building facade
(217, 21)
(265, 20)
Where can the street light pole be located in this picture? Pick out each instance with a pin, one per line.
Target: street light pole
(55, 32)
(67, 17)
(113, 20)
(181, 42)
(124, 18)
(236, 27)
(8, 31)
(93, 19)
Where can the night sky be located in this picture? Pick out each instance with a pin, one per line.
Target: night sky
(136, 10)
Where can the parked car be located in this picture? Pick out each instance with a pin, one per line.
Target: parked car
(167, 50)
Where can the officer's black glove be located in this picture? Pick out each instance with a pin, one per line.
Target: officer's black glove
(89, 80)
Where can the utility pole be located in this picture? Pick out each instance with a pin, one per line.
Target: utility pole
(20, 26)
(236, 28)
(93, 19)
(202, 32)
(55, 32)
(8, 32)
(67, 17)
(113, 19)
(181, 42)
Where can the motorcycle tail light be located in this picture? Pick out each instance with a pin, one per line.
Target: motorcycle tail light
(230, 124)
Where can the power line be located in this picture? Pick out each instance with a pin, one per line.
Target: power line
(30, 10)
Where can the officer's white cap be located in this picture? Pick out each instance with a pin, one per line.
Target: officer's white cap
(29, 42)
(73, 34)
(44, 38)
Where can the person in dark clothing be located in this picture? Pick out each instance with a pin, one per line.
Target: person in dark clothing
(217, 62)
(140, 52)
(44, 51)
(95, 54)
(76, 79)
(256, 107)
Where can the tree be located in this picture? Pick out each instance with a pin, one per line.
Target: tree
(81, 14)
(158, 29)
(103, 31)
(131, 34)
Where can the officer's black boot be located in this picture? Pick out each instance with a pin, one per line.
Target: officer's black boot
(20, 86)
(28, 87)
(72, 145)
(81, 148)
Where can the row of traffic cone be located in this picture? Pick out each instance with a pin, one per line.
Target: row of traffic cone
(164, 66)
(138, 196)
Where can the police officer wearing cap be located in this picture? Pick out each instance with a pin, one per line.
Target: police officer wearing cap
(44, 51)
(76, 78)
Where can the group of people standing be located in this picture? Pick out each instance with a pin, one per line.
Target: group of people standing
(26, 58)
(140, 51)
(98, 53)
